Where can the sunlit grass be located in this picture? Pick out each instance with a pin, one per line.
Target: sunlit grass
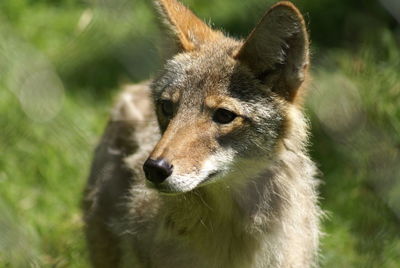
(43, 168)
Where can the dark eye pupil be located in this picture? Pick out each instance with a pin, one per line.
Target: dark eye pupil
(167, 108)
(223, 116)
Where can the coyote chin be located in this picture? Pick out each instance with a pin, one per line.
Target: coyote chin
(206, 165)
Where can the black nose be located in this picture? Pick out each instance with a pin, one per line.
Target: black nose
(158, 170)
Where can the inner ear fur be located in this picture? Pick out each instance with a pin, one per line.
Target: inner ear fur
(277, 50)
(187, 31)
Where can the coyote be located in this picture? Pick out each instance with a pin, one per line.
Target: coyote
(207, 165)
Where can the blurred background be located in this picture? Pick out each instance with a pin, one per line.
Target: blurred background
(62, 61)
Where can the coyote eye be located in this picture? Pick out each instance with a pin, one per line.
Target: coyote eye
(223, 116)
(167, 107)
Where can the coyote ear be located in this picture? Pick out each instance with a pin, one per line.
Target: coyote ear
(277, 50)
(189, 32)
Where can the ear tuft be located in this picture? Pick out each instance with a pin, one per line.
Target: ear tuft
(188, 30)
(277, 50)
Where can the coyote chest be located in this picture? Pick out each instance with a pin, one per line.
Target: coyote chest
(207, 165)
(194, 242)
(181, 233)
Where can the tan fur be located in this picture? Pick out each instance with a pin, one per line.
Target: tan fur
(241, 194)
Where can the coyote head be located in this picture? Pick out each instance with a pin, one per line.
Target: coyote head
(222, 104)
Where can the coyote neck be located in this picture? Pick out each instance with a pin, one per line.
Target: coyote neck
(247, 218)
(211, 222)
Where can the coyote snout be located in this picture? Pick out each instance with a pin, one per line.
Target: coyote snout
(187, 154)
(158, 170)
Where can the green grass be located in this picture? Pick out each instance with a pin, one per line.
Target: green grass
(43, 168)
(356, 118)
(45, 154)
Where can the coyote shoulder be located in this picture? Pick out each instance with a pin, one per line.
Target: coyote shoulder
(207, 165)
